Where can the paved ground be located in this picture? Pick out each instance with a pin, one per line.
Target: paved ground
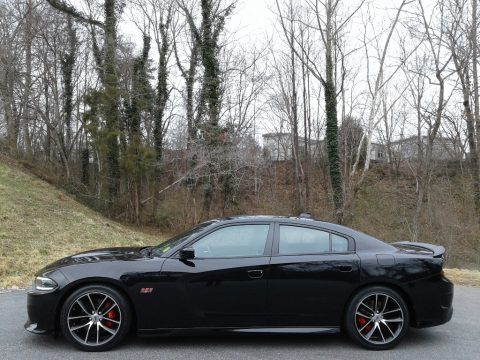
(459, 339)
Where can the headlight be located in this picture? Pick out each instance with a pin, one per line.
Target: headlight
(44, 284)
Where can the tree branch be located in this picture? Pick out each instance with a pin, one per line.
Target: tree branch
(70, 10)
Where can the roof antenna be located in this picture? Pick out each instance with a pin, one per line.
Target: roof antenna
(305, 215)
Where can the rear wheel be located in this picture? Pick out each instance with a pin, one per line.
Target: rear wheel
(377, 318)
(95, 318)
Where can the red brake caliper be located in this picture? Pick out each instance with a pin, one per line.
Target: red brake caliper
(111, 315)
(362, 321)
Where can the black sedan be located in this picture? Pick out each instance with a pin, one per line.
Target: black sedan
(251, 274)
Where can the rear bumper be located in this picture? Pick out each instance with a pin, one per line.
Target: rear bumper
(445, 315)
(433, 303)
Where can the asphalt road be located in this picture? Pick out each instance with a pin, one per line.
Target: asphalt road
(458, 339)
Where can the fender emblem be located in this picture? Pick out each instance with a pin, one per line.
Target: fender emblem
(146, 290)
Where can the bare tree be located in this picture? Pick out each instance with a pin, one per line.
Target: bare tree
(462, 42)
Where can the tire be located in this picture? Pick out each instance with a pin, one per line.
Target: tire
(101, 330)
(377, 318)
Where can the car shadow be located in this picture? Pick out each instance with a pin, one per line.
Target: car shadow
(415, 338)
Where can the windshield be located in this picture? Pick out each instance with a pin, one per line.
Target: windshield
(171, 243)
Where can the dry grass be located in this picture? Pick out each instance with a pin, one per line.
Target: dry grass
(39, 224)
(464, 277)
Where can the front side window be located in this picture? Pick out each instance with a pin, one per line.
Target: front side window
(302, 240)
(171, 243)
(233, 241)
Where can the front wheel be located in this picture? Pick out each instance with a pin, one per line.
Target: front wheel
(377, 318)
(95, 318)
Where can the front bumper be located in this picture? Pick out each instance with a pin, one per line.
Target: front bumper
(41, 309)
(34, 328)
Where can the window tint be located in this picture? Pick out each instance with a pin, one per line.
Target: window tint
(169, 244)
(339, 243)
(233, 241)
(300, 240)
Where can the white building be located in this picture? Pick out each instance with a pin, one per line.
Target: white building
(444, 148)
(278, 146)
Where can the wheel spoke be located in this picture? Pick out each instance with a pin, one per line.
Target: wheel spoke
(376, 302)
(393, 320)
(381, 333)
(368, 307)
(100, 306)
(88, 332)
(114, 321)
(385, 303)
(363, 315)
(91, 302)
(370, 333)
(98, 331)
(110, 308)
(82, 307)
(107, 329)
(388, 327)
(364, 326)
(391, 311)
(75, 328)
(78, 317)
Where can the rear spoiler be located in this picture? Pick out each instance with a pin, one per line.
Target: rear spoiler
(436, 251)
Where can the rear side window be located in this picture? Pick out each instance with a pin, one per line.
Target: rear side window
(297, 240)
(233, 241)
(301, 240)
(339, 243)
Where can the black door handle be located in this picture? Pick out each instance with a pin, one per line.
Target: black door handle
(255, 274)
(345, 268)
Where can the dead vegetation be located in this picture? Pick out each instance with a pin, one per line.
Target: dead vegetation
(464, 277)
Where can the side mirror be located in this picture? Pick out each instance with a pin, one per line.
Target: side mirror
(187, 253)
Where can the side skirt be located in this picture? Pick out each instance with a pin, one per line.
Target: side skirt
(266, 330)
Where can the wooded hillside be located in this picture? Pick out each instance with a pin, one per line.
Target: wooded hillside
(376, 107)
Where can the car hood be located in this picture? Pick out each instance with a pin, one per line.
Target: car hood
(98, 255)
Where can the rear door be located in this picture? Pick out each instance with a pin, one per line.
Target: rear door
(225, 285)
(312, 274)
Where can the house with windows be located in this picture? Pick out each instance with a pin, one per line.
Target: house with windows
(443, 149)
(378, 153)
(278, 146)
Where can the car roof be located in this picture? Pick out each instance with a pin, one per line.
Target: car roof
(285, 219)
(362, 241)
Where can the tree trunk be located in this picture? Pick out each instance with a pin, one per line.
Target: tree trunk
(112, 114)
(68, 64)
(332, 122)
(474, 46)
(28, 82)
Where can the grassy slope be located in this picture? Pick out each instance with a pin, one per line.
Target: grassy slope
(39, 224)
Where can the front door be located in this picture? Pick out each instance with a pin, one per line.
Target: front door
(225, 285)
